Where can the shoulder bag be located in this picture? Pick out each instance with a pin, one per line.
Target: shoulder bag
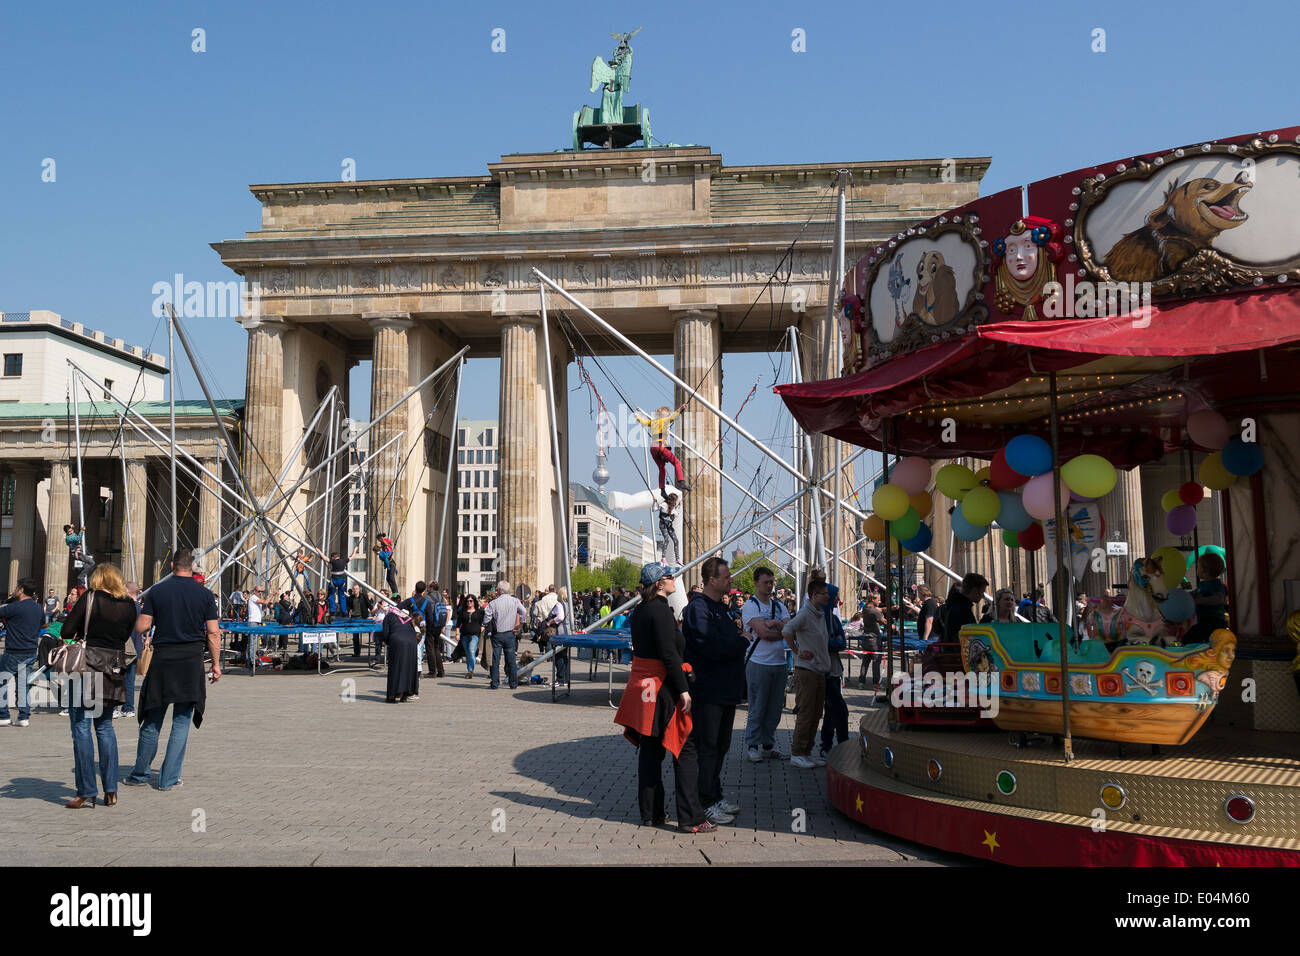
(71, 658)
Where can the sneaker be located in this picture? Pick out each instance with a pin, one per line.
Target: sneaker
(716, 814)
(705, 827)
(414, 697)
(128, 713)
(6, 722)
(132, 782)
(817, 761)
(176, 786)
(754, 756)
(803, 763)
(726, 806)
(24, 722)
(64, 712)
(117, 712)
(775, 754)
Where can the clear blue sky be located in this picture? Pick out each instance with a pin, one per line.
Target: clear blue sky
(155, 145)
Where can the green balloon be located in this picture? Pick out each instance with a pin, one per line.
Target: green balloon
(906, 527)
(1010, 539)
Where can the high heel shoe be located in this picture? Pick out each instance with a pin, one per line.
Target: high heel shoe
(77, 803)
(110, 799)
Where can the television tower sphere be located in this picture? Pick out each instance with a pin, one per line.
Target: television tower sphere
(601, 475)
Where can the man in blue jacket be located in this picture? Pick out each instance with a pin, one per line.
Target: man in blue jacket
(715, 649)
(22, 620)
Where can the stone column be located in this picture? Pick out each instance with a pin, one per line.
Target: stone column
(697, 348)
(133, 537)
(24, 526)
(209, 512)
(58, 514)
(519, 448)
(1122, 512)
(389, 380)
(264, 405)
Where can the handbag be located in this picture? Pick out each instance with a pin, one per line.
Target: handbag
(71, 658)
(145, 659)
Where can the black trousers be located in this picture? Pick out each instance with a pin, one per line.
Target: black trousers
(711, 731)
(835, 715)
(433, 654)
(650, 781)
(870, 644)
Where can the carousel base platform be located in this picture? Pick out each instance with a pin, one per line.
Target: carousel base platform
(974, 792)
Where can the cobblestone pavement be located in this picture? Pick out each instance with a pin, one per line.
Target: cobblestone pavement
(286, 771)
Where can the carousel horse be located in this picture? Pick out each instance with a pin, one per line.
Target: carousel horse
(1140, 621)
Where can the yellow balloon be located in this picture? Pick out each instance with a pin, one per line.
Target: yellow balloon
(922, 502)
(980, 506)
(955, 480)
(1174, 564)
(1170, 500)
(895, 545)
(983, 475)
(1213, 475)
(1089, 476)
(890, 502)
(874, 528)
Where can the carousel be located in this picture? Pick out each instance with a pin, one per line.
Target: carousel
(1144, 313)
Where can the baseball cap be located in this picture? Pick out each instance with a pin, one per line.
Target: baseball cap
(653, 571)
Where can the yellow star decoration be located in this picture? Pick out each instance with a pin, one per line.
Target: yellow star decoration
(859, 803)
(991, 841)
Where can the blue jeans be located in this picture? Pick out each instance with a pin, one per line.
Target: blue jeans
(17, 664)
(147, 747)
(338, 602)
(471, 651)
(83, 750)
(505, 643)
(766, 701)
(129, 706)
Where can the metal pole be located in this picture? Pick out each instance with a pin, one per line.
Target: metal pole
(690, 389)
(819, 540)
(81, 485)
(561, 488)
(126, 506)
(741, 488)
(836, 348)
(446, 488)
(329, 474)
(1058, 582)
(171, 407)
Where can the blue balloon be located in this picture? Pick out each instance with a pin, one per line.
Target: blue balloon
(1013, 515)
(1029, 455)
(921, 540)
(1242, 458)
(965, 530)
(1179, 606)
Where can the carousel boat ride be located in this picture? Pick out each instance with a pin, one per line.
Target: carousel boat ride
(1146, 314)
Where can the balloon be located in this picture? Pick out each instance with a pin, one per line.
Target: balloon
(1208, 429)
(964, 529)
(919, 541)
(911, 474)
(1032, 538)
(890, 502)
(1213, 475)
(874, 528)
(895, 544)
(1201, 552)
(1170, 500)
(1075, 496)
(1029, 455)
(1037, 496)
(922, 502)
(955, 480)
(907, 526)
(1013, 517)
(1010, 538)
(980, 506)
(1090, 475)
(1242, 458)
(1174, 564)
(1191, 493)
(1181, 520)
(1179, 606)
(1002, 477)
(983, 475)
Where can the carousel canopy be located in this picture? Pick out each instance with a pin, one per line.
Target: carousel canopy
(1125, 386)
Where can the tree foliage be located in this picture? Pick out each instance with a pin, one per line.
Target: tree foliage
(622, 573)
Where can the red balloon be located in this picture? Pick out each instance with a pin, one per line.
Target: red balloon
(1031, 539)
(1191, 492)
(1001, 475)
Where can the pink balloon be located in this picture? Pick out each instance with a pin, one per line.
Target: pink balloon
(911, 474)
(1208, 429)
(1037, 496)
(1181, 520)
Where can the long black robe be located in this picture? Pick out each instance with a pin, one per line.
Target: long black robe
(403, 656)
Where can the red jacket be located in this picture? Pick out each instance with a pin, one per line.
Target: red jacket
(636, 711)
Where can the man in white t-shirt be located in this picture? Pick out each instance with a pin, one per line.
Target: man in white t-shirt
(256, 601)
(763, 617)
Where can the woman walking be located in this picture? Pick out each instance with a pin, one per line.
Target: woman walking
(470, 622)
(402, 631)
(105, 617)
(656, 707)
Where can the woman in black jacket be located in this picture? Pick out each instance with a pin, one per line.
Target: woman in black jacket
(470, 623)
(657, 648)
(112, 615)
(403, 628)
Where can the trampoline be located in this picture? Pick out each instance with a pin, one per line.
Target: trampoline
(323, 634)
(600, 639)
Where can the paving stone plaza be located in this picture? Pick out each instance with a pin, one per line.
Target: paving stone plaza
(288, 772)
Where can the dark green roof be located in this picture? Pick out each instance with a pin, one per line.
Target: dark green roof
(185, 408)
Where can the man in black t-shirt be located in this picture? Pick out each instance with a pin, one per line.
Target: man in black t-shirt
(927, 620)
(338, 590)
(873, 628)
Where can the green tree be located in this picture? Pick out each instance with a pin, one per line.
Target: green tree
(622, 573)
(587, 579)
(744, 581)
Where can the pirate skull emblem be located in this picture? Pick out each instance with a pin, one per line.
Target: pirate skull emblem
(1144, 680)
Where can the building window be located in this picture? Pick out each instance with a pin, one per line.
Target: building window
(464, 544)
(108, 387)
(485, 564)
(464, 500)
(487, 436)
(13, 365)
(464, 522)
(460, 437)
(496, 482)
(356, 502)
(460, 457)
(7, 490)
(356, 525)
(462, 564)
